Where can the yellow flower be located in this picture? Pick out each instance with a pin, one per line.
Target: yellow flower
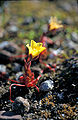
(35, 49)
(54, 23)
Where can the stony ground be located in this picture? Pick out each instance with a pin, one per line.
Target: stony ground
(57, 98)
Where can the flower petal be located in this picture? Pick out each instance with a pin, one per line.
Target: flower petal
(33, 44)
(35, 49)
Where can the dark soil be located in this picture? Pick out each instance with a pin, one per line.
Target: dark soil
(60, 102)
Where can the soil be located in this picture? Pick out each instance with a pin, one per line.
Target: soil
(19, 27)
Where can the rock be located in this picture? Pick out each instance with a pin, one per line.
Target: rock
(9, 116)
(18, 75)
(46, 85)
(12, 30)
(20, 105)
(16, 67)
(68, 21)
(4, 56)
(60, 96)
(36, 26)
(55, 53)
(66, 6)
(2, 68)
(44, 28)
(15, 46)
(4, 44)
(10, 48)
(28, 20)
(74, 37)
(72, 44)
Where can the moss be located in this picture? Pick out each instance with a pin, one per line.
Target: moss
(67, 112)
(21, 35)
(48, 101)
(31, 35)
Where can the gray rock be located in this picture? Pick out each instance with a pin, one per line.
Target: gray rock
(20, 105)
(8, 50)
(4, 44)
(66, 6)
(74, 37)
(60, 95)
(9, 116)
(71, 44)
(68, 21)
(18, 75)
(13, 28)
(16, 67)
(46, 85)
(2, 68)
(28, 20)
(12, 31)
(36, 26)
(9, 44)
(44, 28)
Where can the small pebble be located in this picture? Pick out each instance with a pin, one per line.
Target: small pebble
(13, 28)
(46, 85)
(63, 115)
(44, 28)
(60, 95)
(18, 75)
(4, 44)
(10, 49)
(2, 68)
(16, 67)
(12, 31)
(74, 37)
(20, 105)
(9, 116)
(28, 20)
(68, 21)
